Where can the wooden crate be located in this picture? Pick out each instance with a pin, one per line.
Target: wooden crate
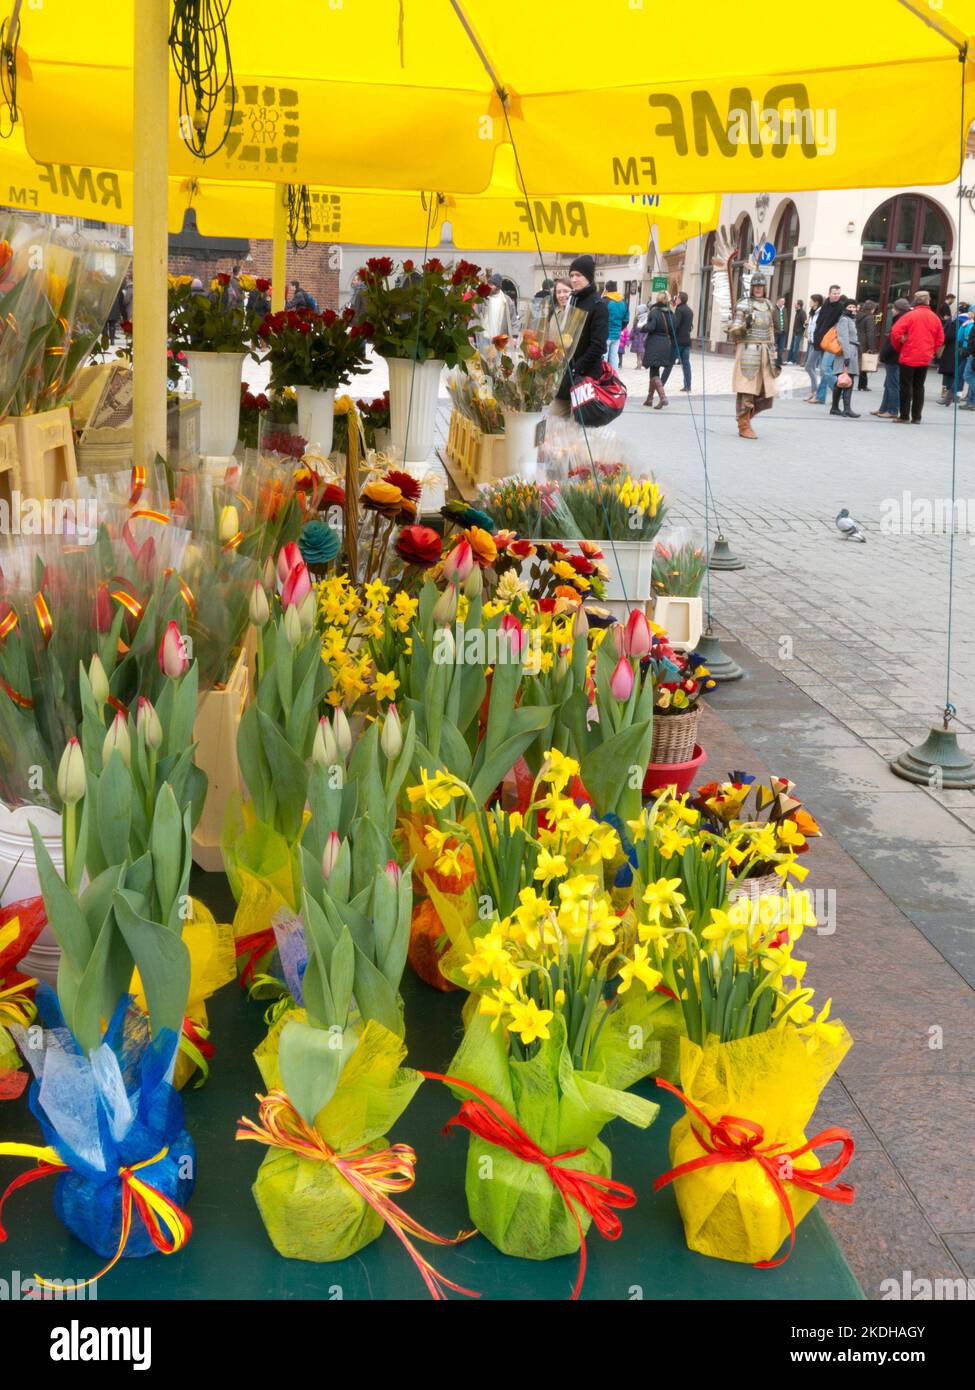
(215, 731)
(45, 446)
(9, 461)
(478, 457)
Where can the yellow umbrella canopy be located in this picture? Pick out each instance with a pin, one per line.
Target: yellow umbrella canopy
(706, 96)
(502, 217)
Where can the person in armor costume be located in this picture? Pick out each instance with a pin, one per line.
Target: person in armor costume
(751, 328)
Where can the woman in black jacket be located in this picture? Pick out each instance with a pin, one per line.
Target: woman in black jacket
(587, 360)
(890, 403)
(661, 348)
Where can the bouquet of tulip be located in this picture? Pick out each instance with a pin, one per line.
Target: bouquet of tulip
(23, 302)
(251, 409)
(610, 722)
(471, 391)
(518, 506)
(526, 369)
(78, 288)
(753, 1063)
(111, 1121)
(679, 566)
(426, 314)
(305, 348)
(274, 747)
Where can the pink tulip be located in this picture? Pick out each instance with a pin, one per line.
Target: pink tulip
(393, 872)
(289, 556)
(514, 637)
(297, 586)
(637, 639)
(621, 681)
(173, 658)
(459, 562)
(619, 639)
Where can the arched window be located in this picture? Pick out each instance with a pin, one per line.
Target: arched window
(900, 242)
(704, 314)
(785, 239)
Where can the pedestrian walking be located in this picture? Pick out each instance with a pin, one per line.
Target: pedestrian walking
(300, 298)
(661, 348)
(966, 357)
(546, 291)
(683, 324)
(847, 363)
(918, 336)
(638, 338)
(619, 317)
(866, 336)
(587, 360)
(814, 355)
(947, 364)
(780, 320)
(828, 317)
(749, 326)
(890, 401)
(799, 320)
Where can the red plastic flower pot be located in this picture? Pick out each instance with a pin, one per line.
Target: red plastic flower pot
(679, 775)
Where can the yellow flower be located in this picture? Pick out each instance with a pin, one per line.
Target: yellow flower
(385, 685)
(403, 611)
(438, 792)
(530, 1021)
(448, 862)
(639, 968)
(662, 897)
(558, 770)
(550, 866)
(498, 1002)
(489, 958)
(818, 1030)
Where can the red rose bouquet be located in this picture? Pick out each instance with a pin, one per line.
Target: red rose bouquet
(305, 348)
(426, 313)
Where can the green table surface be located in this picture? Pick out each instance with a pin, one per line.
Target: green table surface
(230, 1257)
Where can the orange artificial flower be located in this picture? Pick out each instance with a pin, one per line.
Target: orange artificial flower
(482, 544)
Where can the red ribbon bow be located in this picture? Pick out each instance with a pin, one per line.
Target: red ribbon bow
(577, 1188)
(254, 947)
(734, 1140)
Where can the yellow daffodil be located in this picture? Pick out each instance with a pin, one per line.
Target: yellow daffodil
(385, 685)
(639, 968)
(530, 1021)
(549, 867)
(662, 897)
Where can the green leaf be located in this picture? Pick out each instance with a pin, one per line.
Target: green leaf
(166, 844)
(289, 777)
(114, 805)
(311, 1063)
(375, 996)
(162, 960)
(65, 917)
(605, 771)
(341, 975)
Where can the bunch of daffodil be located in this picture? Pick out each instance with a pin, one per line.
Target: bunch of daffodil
(365, 637)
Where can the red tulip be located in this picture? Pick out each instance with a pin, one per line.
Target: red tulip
(637, 638)
(288, 557)
(297, 586)
(459, 562)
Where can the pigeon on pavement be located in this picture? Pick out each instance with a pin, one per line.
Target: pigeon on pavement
(851, 530)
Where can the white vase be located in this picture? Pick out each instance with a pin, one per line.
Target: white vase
(520, 449)
(18, 861)
(630, 565)
(414, 391)
(216, 385)
(384, 440)
(316, 414)
(683, 617)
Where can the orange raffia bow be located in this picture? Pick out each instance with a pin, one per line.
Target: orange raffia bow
(734, 1140)
(577, 1188)
(147, 514)
(168, 1225)
(44, 620)
(186, 593)
(254, 947)
(372, 1174)
(138, 483)
(16, 1005)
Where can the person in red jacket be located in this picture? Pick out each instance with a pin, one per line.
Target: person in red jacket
(917, 336)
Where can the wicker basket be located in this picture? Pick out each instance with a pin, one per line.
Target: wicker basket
(755, 887)
(674, 736)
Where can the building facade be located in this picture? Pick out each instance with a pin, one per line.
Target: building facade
(875, 243)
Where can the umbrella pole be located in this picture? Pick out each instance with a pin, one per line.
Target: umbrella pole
(279, 264)
(150, 231)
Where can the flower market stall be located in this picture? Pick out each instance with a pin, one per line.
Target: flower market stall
(440, 768)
